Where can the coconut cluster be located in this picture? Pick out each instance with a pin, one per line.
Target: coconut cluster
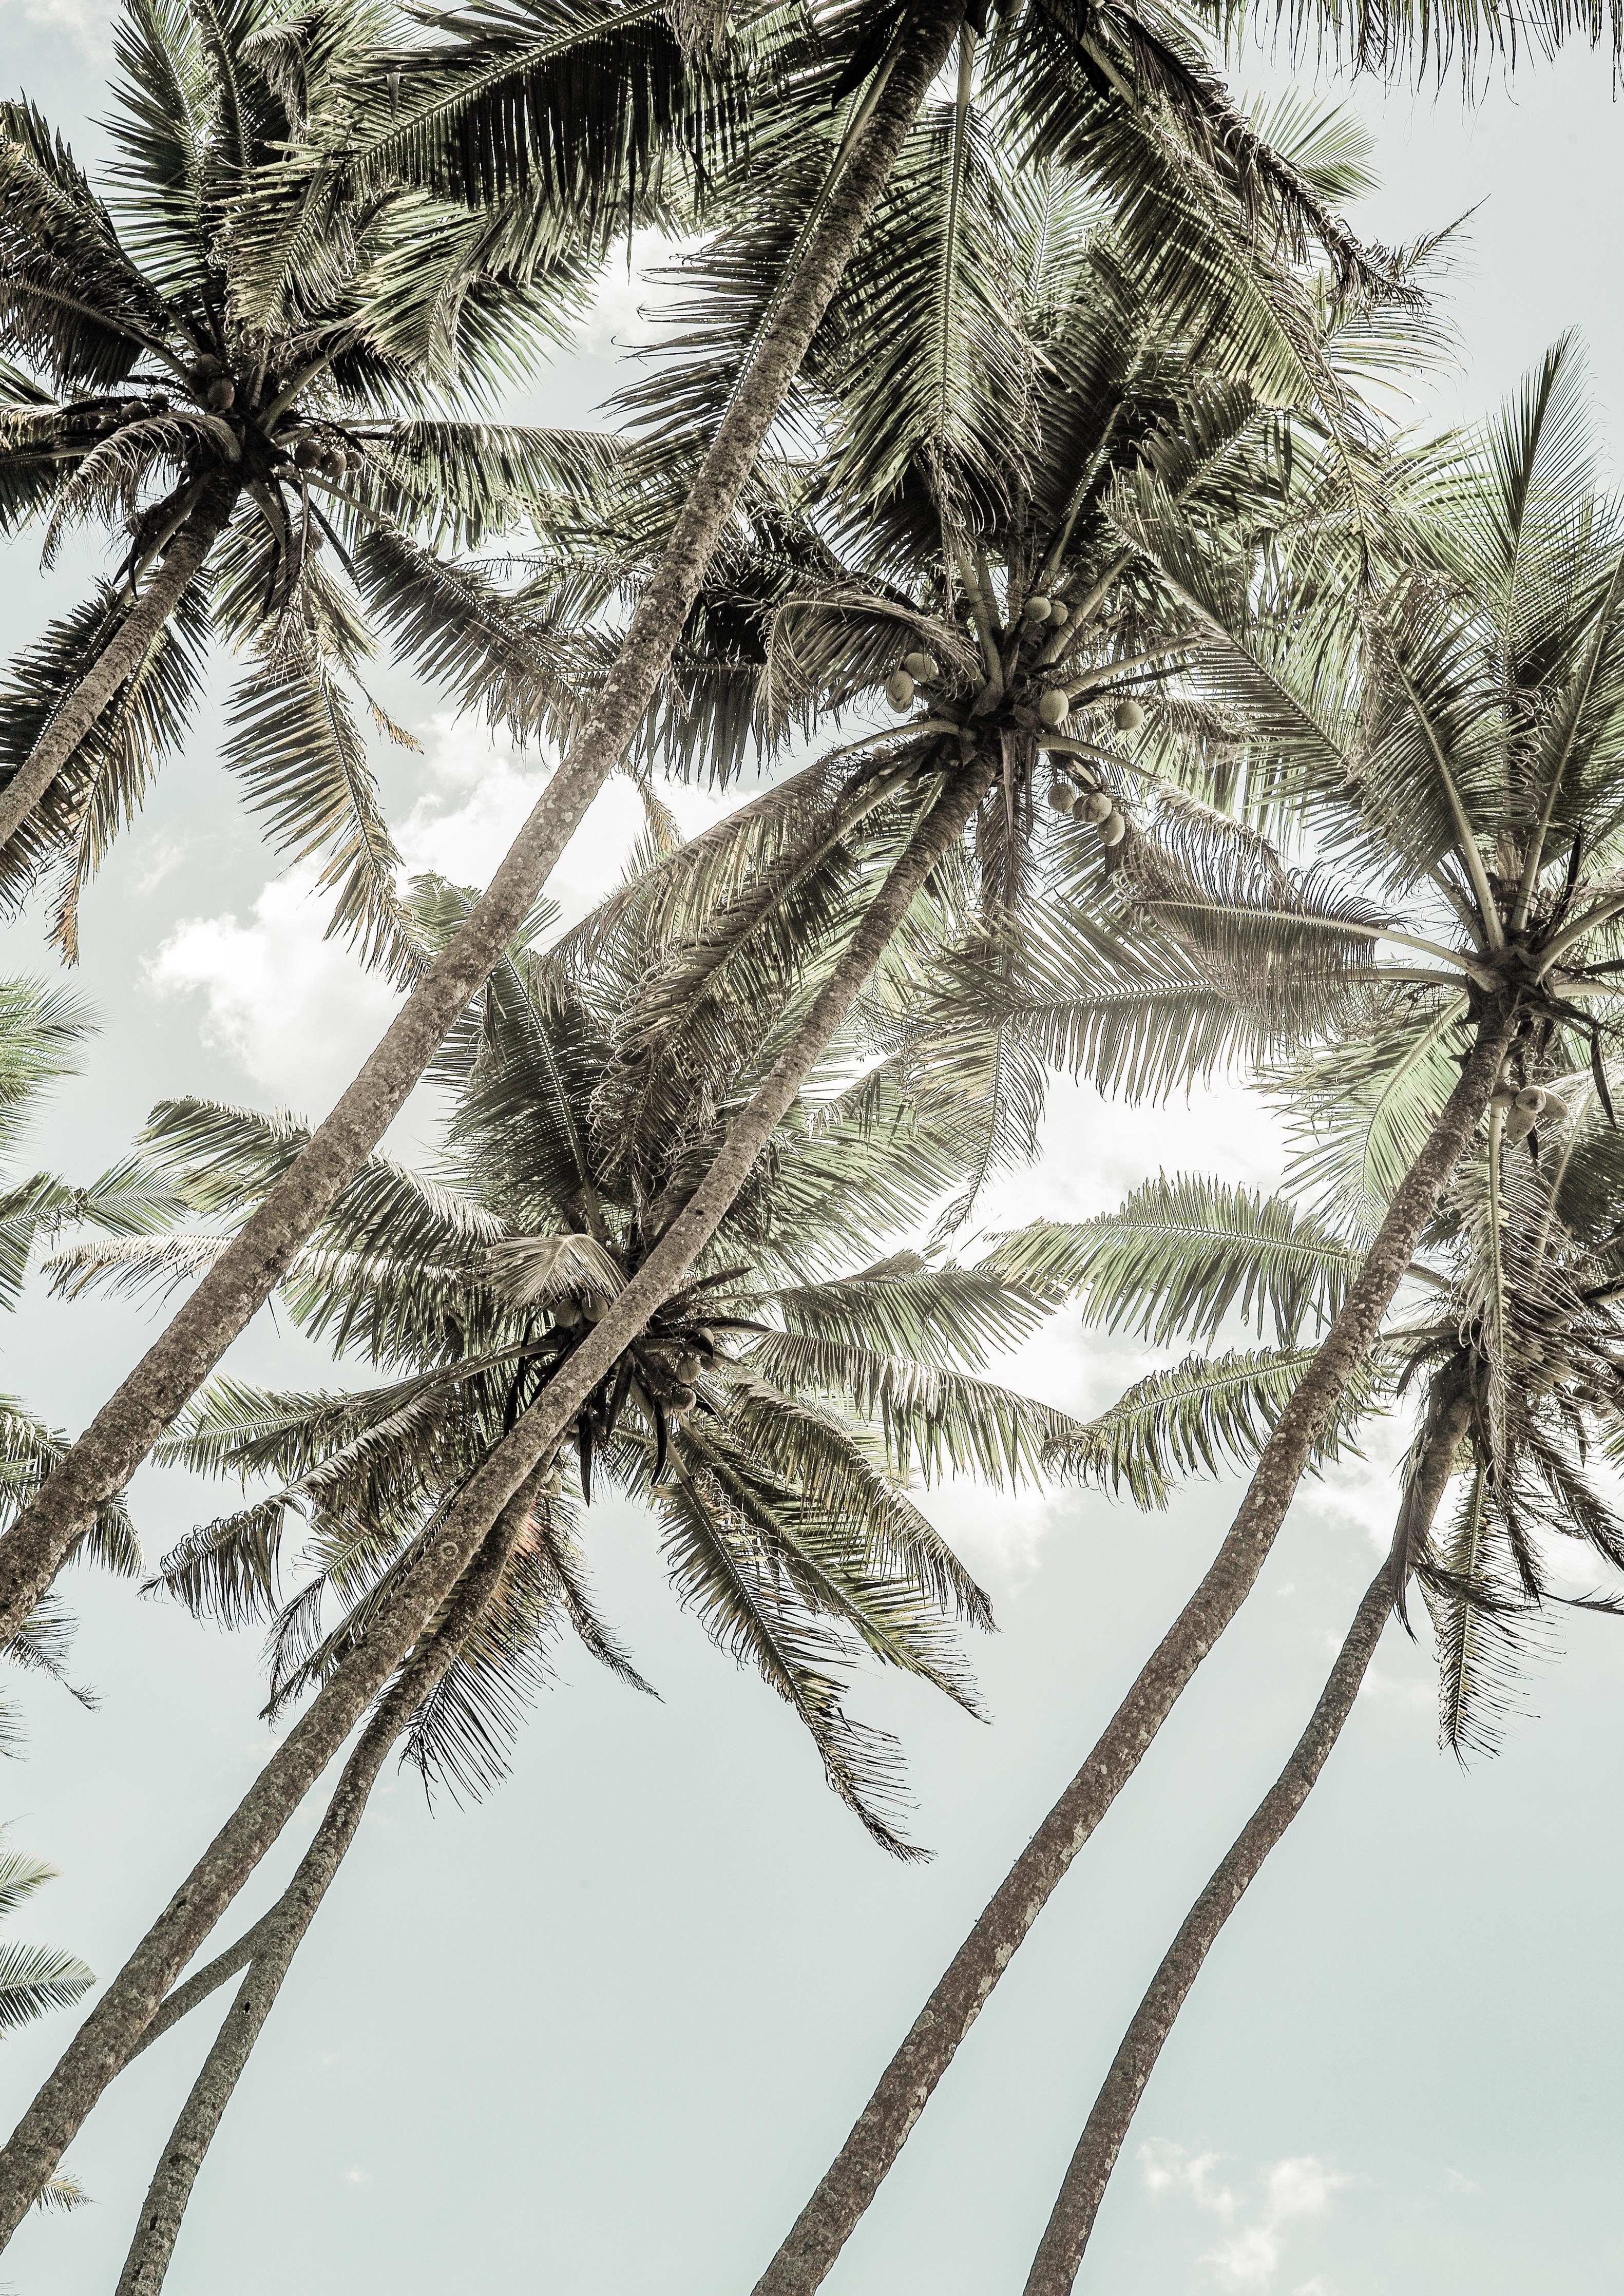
(678, 1359)
(1075, 788)
(1523, 1110)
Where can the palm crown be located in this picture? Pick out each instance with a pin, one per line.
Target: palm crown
(771, 1412)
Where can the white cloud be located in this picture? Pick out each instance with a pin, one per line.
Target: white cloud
(85, 21)
(296, 1012)
(1250, 2254)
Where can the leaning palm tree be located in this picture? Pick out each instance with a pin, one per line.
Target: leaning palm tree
(493, 113)
(1506, 1355)
(234, 462)
(34, 1981)
(1461, 736)
(771, 1413)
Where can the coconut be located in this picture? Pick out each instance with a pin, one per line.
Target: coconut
(1504, 1098)
(681, 1401)
(689, 1368)
(221, 394)
(307, 455)
(1062, 797)
(1059, 611)
(335, 464)
(566, 1314)
(204, 370)
(1054, 705)
(1096, 806)
(355, 460)
(1113, 829)
(920, 666)
(593, 1308)
(900, 690)
(1037, 608)
(1533, 1100)
(1127, 717)
(1520, 1123)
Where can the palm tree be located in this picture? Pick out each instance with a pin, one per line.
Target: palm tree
(741, 1412)
(1509, 1346)
(237, 461)
(1130, 99)
(886, 827)
(1459, 737)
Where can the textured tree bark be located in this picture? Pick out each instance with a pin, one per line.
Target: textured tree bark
(125, 1429)
(108, 2038)
(824, 2224)
(118, 659)
(1066, 2238)
(282, 1930)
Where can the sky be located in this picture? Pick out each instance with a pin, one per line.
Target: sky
(599, 2035)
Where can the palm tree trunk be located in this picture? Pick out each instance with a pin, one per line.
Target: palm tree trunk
(123, 1431)
(824, 2224)
(1059, 2254)
(105, 2042)
(119, 659)
(282, 1930)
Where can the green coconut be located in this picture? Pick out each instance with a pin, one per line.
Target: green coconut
(1054, 705)
(688, 1368)
(1520, 1123)
(900, 690)
(1127, 717)
(1096, 806)
(1113, 829)
(567, 1314)
(681, 1401)
(1037, 608)
(1062, 797)
(594, 1308)
(1533, 1100)
(221, 394)
(920, 666)
(1059, 611)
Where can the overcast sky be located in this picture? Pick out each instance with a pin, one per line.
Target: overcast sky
(597, 2036)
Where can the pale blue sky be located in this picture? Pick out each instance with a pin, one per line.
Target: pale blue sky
(597, 2036)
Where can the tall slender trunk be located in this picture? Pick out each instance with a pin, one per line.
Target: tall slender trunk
(824, 2224)
(1059, 2254)
(282, 1931)
(125, 1429)
(104, 2043)
(120, 658)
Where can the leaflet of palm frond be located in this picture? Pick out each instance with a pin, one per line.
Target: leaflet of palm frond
(461, 1736)
(467, 483)
(1357, 1116)
(1116, 1002)
(829, 1561)
(529, 1270)
(228, 1569)
(295, 743)
(38, 1978)
(29, 1451)
(42, 1648)
(1120, 64)
(950, 1315)
(741, 1599)
(934, 1421)
(41, 1031)
(1204, 1416)
(1486, 1629)
(71, 298)
(114, 766)
(1182, 1254)
(475, 302)
(570, 100)
(836, 1468)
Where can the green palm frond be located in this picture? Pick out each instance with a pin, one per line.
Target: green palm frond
(1182, 1254)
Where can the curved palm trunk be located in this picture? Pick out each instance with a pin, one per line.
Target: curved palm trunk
(282, 1930)
(822, 2229)
(1059, 2254)
(119, 659)
(111, 2034)
(125, 1429)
